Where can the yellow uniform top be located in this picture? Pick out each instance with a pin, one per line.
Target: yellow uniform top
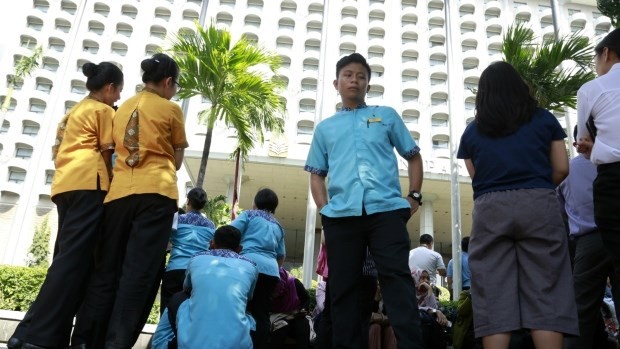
(147, 129)
(81, 136)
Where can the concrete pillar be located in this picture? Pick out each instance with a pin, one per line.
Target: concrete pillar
(426, 215)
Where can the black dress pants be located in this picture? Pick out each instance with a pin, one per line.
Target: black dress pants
(128, 269)
(606, 194)
(171, 283)
(49, 320)
(591, 269)
(385, 235)
(260, 306)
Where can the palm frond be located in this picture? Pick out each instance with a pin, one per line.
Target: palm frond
(554, 69)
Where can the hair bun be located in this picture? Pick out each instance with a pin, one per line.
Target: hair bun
(90, 69)
(148, 65)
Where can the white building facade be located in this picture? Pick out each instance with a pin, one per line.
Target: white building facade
(404, 41)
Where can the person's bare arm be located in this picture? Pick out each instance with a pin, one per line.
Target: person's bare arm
(415, 171)
(319, 190)
(107, 159)
(469, 165)
(559, 161)
(442, 272)
(178, 158)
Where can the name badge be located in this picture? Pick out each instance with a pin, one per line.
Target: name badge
(372, 120)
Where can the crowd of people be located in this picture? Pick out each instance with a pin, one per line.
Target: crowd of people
(227, 288)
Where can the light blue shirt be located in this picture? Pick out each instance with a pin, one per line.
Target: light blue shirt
(187, 241)
(221, 283)
(262, 239)
(164, 334)
(575, 192)
(355, 148)
(465, 273)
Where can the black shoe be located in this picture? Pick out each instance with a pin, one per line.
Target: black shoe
(14, 343)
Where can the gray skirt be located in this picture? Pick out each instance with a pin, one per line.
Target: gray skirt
(520, 266)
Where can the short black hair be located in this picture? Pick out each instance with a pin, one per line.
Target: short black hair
(158, 68)
(352, 58)
(503, 101)
(227, 237)
(465, 244)
(266, 199)
(426, 239)
(197, 198)
(611, 41)
(99, 75)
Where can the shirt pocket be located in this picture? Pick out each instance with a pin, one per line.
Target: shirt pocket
(377, 132)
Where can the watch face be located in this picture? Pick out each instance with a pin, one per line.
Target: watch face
(415, 195)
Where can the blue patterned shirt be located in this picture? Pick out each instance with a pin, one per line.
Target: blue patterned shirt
(355, 148)
(195, 218)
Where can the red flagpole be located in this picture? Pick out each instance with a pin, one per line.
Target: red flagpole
(235, 199)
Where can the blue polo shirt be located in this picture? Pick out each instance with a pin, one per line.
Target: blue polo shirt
(193, 234)
(221, 283)
(262, 239)
(355, 149)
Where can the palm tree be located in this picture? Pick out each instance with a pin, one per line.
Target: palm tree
(233, 76)
(218, 210)
(611, 9)
(554, 69)
(24, 67)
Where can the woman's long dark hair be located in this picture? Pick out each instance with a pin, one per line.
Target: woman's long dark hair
(503, 101)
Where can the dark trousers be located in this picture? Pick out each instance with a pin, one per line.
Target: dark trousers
(260, 306)
(171, 283)
(127, 272)
(592, 267)
(49, 320)
(346, 239)
(606, 205)
(298, 328)
(325, 332)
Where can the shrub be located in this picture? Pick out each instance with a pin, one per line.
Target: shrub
(19, 286)
(39, 251)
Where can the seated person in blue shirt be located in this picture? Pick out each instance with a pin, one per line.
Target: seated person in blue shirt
(263, 242)
(366, 208)
(220, 283)
(193, 234)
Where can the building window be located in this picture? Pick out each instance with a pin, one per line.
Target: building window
(63, 25)
(49, 177)
(96, 27)
(347, 48)
(30, 128)
(151, 49)
(124, 29)
(190, 15)
(35, 23)
(129, 11)
(308, 84)
(41, 5)
(288, 5)
(440, 144)
(56, 44)
(37, 106)
(315, 9)
(78, 87)
(224, 18)
(90, 46)
(311, 64)
(68, 6)
(23, 151)
(16, 175)
(162, 13)
(102, 9)
(50, 64)
(12, 105)
(5, 127)
(158, 32)
(307, 106)
(284, 42)
(69, 105)
(118, 48)
(28, 42)
(255, 4)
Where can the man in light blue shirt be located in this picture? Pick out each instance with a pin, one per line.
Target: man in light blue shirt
(220, 282)
(465, 273)
(592, 265)
(355, 148)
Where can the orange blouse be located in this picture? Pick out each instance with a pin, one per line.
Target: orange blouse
(147, 129)
(81, 136)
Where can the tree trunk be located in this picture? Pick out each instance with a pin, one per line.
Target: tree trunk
(202, 171)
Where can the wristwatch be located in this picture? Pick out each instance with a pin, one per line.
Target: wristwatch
(416, 195)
